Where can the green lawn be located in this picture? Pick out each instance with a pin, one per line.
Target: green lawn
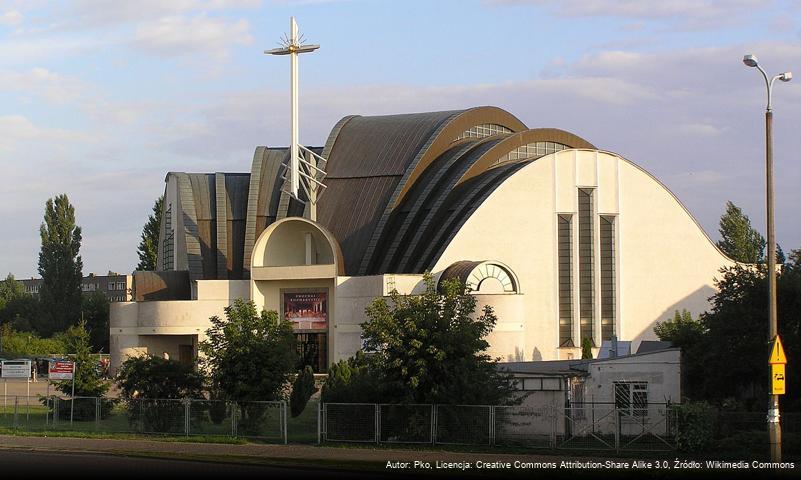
(168, 420)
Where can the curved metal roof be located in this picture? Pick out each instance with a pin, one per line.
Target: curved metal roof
(398, 189)
(374, 162)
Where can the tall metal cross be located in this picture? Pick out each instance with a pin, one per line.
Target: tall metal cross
(303, 173)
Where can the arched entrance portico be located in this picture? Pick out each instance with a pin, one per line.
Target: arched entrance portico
(294, 267)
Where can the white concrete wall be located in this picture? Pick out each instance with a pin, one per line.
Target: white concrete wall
(662, 371)
(665, 261)
(135, 326)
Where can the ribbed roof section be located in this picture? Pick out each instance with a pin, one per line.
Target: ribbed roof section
(399, 187)
(365, 165)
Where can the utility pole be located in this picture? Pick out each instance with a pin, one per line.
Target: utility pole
(774, 425)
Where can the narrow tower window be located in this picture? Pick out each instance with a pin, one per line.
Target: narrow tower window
(565, 254)
(607, 238)
(586, 292)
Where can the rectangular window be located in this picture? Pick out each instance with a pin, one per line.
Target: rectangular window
(111, 286)
(586, 283)
(631, 398)
(121, 286)
(607, 238)
(565, 255)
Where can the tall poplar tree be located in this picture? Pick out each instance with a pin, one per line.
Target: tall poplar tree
(60, 266)
(738, 239)
(148, 246)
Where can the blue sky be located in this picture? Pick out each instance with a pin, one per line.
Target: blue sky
(99, 99)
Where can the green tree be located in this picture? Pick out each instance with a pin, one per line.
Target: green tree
(352, 380)
(302, 390)
(250, 357)
(174, 379)
(88, 379)
(17, 343)
(680, 330)
(431, 348)
(10, 289)
(794, 259)
(691, 336)
(148, 246)
(147, 384)
(60, 266)
(18, 309)
(733, 352)
(586, 348)
(95, 311)
(738, 239)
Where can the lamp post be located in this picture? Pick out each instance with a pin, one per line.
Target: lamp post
(774, 427)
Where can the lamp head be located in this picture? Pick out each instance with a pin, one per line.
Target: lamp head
(750, 60)
(786, 76)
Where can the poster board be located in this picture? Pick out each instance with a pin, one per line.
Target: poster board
(16, 369)
(60, 370)
(307, 310)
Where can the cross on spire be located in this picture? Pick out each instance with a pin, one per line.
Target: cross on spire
(303, 173)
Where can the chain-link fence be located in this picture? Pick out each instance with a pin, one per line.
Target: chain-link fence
(263, 420)
(351, 422)
(578, 426)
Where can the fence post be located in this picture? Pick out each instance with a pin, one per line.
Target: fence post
(319, 422)
(554, 414)
(617, 429)
(433, 423)
(435, 426)
(492, 425)
(233, 418)
(16, 406)
(284, 422)
(98, 413)
(187, 403)
(377, 423)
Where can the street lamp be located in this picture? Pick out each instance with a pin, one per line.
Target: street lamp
(774, 427)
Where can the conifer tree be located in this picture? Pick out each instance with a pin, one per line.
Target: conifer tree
(738, 239)
(148, 246)
(60, 266)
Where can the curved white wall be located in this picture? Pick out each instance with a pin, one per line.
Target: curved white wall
(664, 259)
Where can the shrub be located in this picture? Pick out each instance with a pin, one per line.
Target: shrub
(302, 390)
(351, 381)
(151, 386)
(695, 422)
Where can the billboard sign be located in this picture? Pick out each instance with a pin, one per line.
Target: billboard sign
(16, 369)
(306, 310)
(60, 370)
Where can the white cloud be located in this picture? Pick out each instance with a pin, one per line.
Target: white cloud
(17, 130)
(42, 82)
(178, 35)
(701, 129)
(106, 13)
(11, 18)
(645, 9)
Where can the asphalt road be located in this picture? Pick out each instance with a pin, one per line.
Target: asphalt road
(27, 464)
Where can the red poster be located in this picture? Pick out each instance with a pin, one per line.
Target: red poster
(306, 310)
(60, 370)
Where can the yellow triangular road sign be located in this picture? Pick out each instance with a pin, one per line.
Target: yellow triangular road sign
(777, 353)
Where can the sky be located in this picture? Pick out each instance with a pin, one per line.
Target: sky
(99, 99)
